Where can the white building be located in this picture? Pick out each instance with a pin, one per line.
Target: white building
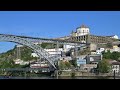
(19, 46)
(115, 67)
(94, 58)
(67, 47)
(114, 36)
(82, 30)
(38, 65)
(89, 67)
(114, 49)
(93, 53)
(100, 50)
(66, 58)
(34, 55)
(21, 62)
(18, 61)
(53, 52)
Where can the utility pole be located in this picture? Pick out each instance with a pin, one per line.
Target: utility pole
(57, 48)
(57, 51)
(40, 58)
(75, 51)
(18, 52)
(25, 74)
(56, 73)
(114, 74)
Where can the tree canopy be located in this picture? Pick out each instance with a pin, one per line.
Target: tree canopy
(113, 55)
(103, 66)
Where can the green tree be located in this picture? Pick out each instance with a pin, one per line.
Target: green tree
(106, 55)
(109, 45)
(74, 62)
(73, 75)
(115, 55)
(119, 59)
(103, 66)
(61, 65)
(9, 64)
(109, 55)
(68, 64)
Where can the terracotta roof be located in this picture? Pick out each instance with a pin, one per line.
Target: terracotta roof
(116, 63)
(112, 61)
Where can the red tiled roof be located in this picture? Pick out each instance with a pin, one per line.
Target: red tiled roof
(116, 63)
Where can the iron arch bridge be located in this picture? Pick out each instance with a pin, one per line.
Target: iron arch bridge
(28, 41)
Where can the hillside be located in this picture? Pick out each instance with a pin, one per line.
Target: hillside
(7, 58)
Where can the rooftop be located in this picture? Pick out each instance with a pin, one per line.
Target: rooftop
(83, 26)
(116, 63)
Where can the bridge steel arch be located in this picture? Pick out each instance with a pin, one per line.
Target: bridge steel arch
(37, 49)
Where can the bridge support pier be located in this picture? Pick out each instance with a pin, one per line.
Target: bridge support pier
(56, 74)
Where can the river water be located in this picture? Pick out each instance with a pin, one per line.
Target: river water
(48, 77)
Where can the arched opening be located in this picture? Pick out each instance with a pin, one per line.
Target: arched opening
(5, 46)
(18, 53)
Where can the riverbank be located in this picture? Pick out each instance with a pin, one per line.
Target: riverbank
(63, 77)
(86, 74)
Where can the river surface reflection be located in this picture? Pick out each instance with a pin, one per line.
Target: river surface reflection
(48, 77)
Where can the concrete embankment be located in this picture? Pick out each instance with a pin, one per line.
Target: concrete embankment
(68, 73)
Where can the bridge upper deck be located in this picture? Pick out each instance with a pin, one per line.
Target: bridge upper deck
(34, 39)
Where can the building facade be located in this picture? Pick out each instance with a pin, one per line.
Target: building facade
(93, 39)
(82, 34)
(93, 59)
(82, 30)
(115, 67)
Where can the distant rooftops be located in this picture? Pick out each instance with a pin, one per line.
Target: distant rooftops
(114, 62)
(114, 36)
(111, 35)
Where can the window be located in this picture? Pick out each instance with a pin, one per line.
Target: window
(85, 68)
(83, 31)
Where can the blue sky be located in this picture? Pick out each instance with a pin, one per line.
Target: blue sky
(51, 24)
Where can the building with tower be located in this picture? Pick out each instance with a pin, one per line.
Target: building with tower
(82, 30)
(82, 34)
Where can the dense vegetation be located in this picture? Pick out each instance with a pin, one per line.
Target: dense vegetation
(6, 59)
(108, 45)
(104, 66)
(50, 45)
(67, 64)
(64, 65)
(25, 54)
(112, 56)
